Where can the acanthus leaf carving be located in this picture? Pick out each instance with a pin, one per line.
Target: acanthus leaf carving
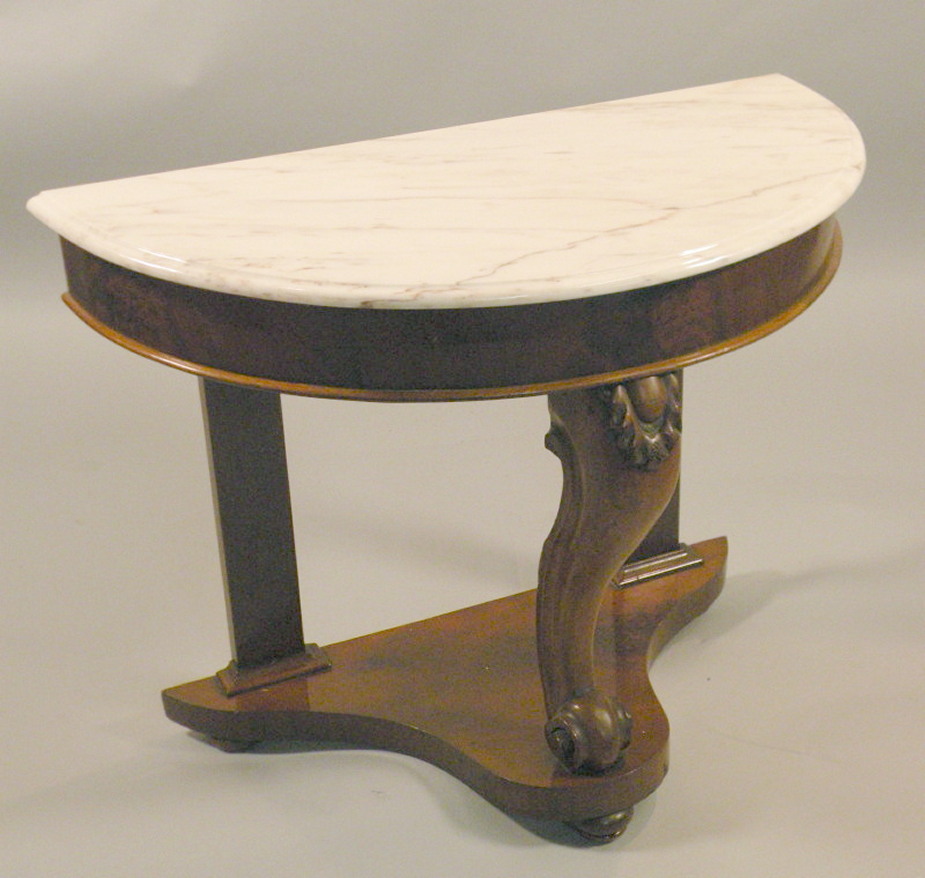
(645, 418)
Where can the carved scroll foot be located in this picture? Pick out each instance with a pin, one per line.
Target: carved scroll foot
(589, 733)
(619, 446)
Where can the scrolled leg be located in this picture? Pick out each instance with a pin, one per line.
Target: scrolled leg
(590, 732)
(619, 446)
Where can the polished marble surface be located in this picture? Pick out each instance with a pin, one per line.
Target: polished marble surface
(558, 205)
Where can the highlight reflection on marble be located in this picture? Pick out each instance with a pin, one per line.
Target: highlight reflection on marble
(558, 205)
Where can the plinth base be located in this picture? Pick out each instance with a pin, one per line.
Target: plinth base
(462, 692)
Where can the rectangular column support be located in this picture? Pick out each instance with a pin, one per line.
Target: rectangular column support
(661, 552)
(250, 481)
(663, 537)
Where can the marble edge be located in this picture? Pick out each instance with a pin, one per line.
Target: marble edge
(271, 287)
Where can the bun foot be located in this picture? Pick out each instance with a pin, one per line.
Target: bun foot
(228, 746)
(605, 828)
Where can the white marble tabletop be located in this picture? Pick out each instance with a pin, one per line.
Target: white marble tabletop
(551, 206)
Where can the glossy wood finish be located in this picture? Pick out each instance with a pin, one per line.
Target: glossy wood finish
(620, 453)
(462, 692)
(250, 485)
(474, 691)
(247, 458)
(462, 353)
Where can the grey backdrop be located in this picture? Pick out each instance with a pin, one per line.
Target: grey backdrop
(797, 703)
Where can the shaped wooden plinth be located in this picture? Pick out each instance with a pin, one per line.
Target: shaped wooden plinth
(462, 692)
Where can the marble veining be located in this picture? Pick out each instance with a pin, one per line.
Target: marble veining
(550, 206)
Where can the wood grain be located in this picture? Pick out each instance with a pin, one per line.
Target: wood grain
(613, 495)
(462, 691)
(447, 354)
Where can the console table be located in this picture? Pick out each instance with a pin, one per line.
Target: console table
(588, 254)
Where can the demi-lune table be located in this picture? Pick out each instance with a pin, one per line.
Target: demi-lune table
(588, 254)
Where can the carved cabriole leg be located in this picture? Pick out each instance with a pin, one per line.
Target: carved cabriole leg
(620, 447)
